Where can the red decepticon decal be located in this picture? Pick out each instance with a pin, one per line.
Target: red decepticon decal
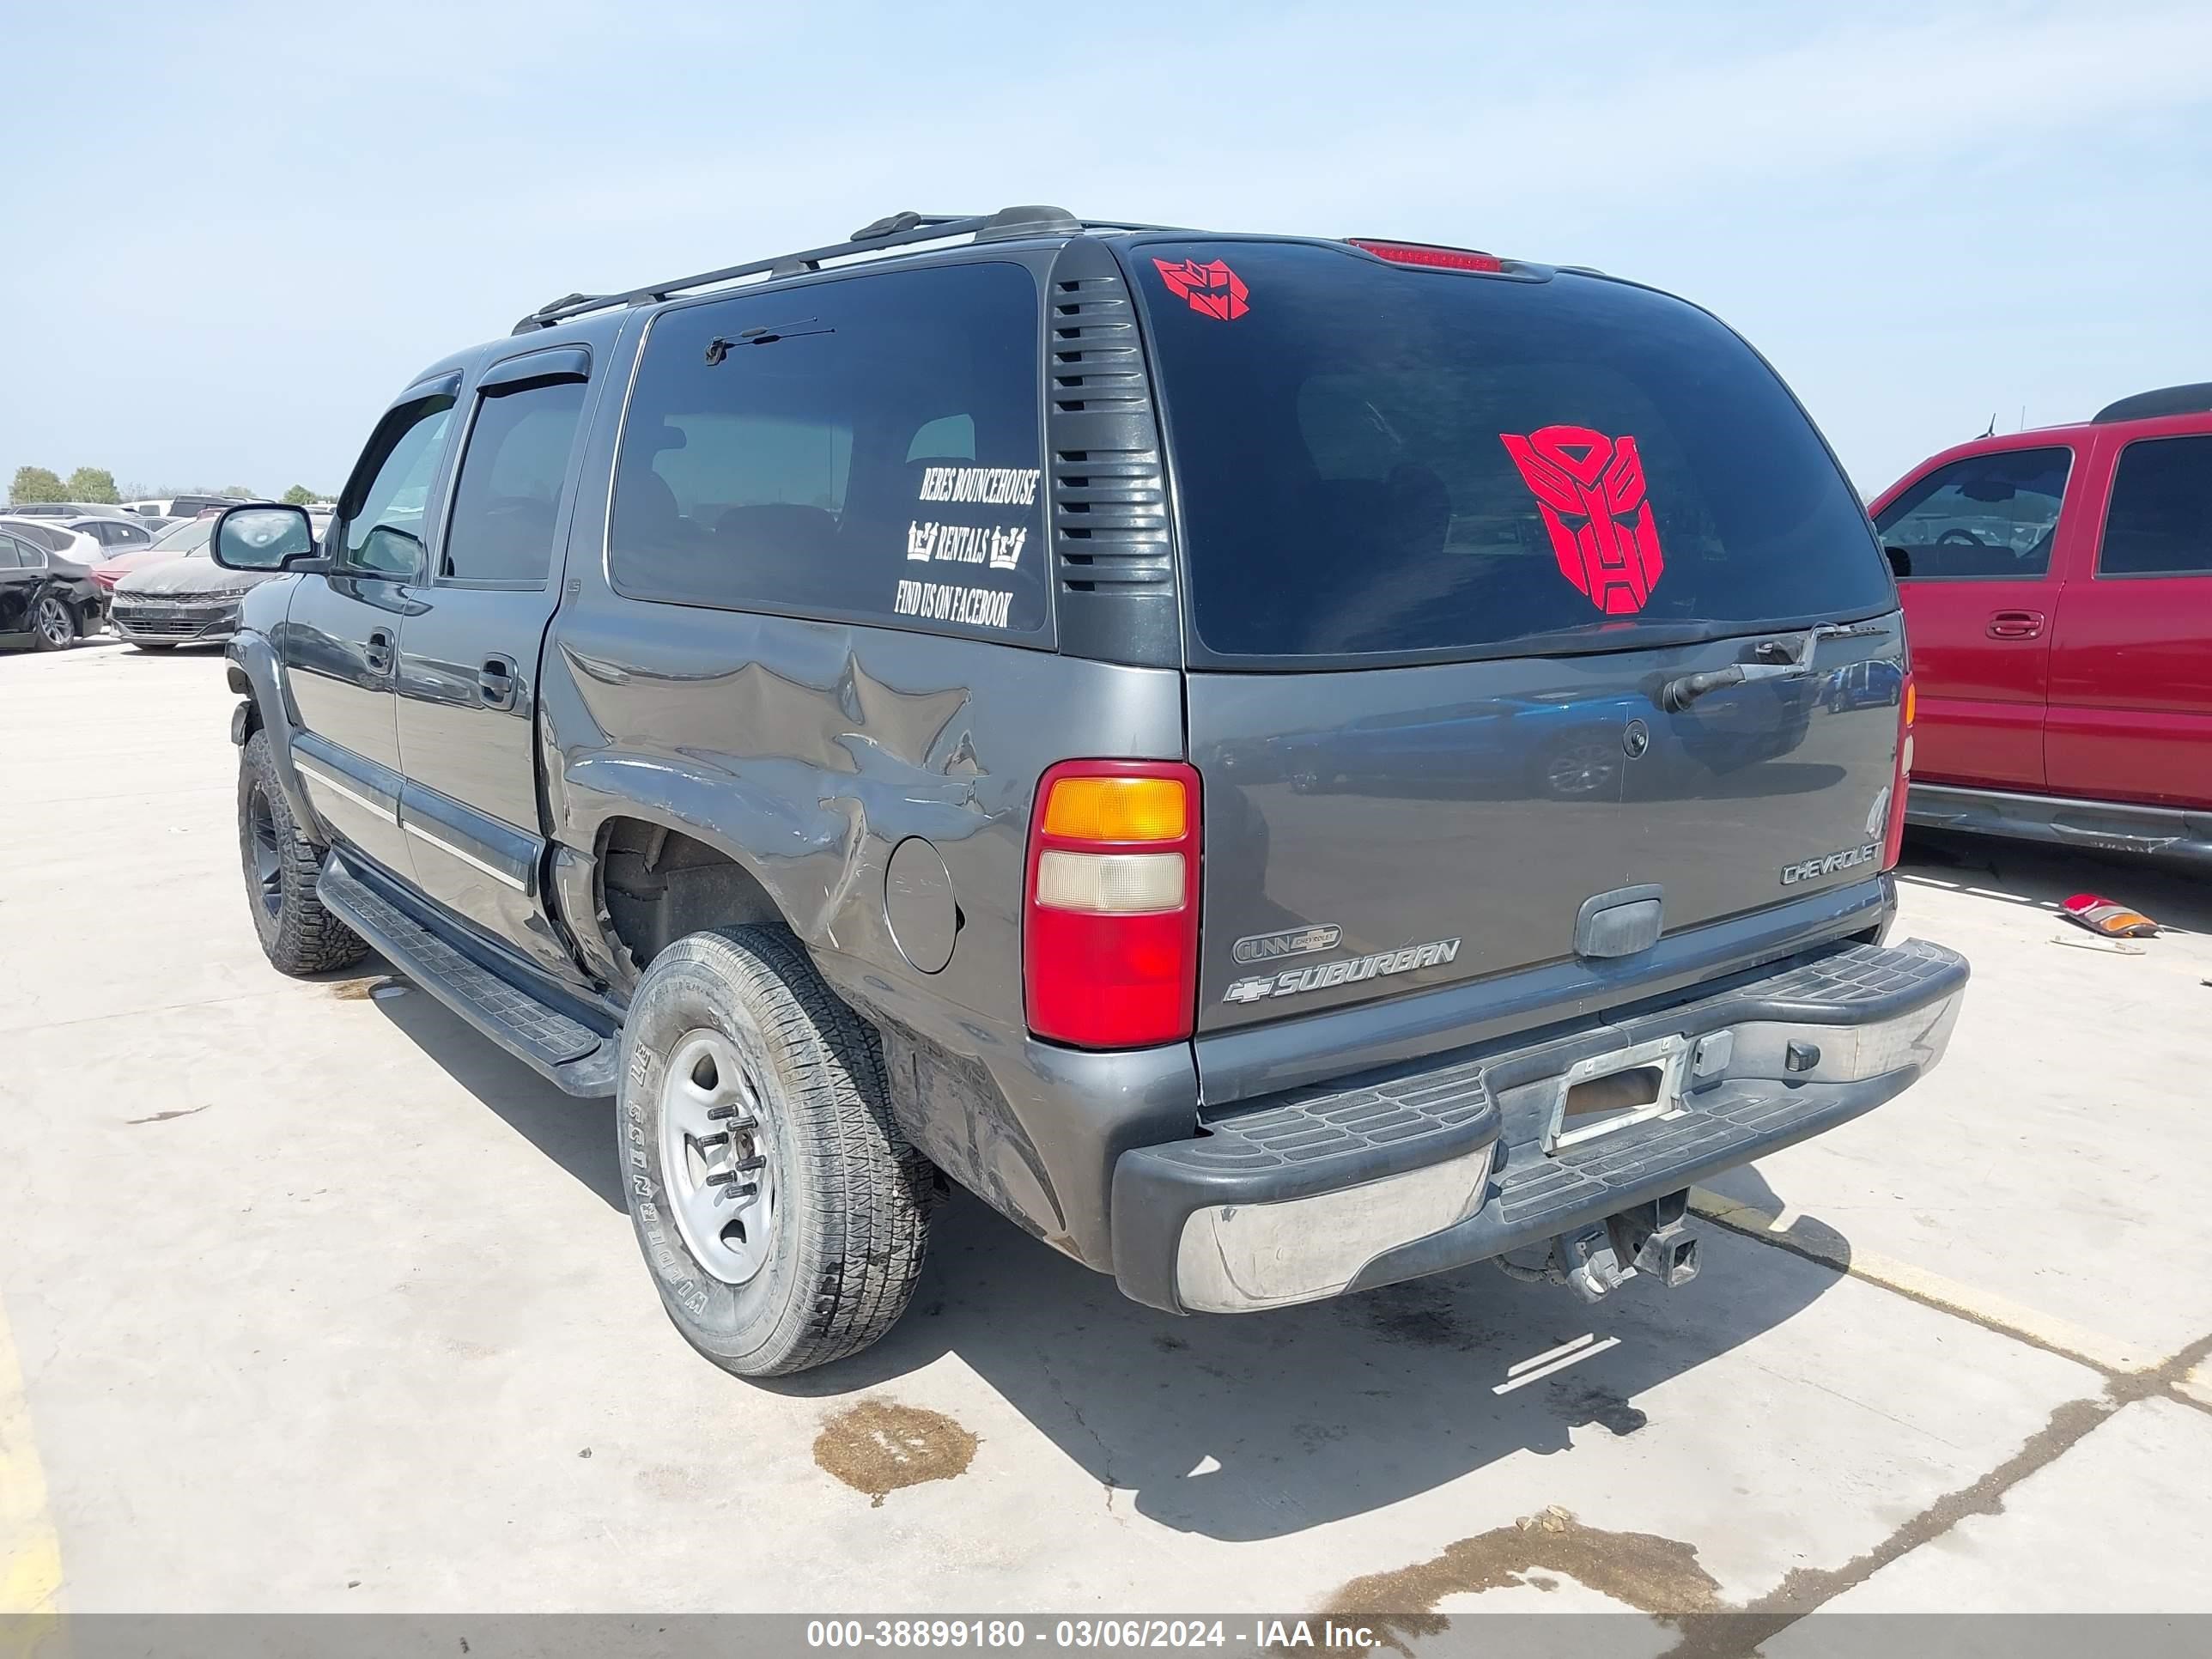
(1213, 290)
(1590, 488)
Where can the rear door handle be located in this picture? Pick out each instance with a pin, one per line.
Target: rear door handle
(496, 683)
(2017, 625)
(377, 652)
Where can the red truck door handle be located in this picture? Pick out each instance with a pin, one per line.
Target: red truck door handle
(2017, 625)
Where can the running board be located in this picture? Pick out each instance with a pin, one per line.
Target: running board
(571, 1054)
(2177, 833)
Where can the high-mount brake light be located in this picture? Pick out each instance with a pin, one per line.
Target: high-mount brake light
(1908, 707)
(1423, 253)
(1110, 933)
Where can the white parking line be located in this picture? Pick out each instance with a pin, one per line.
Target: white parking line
(1985, 1308)
(30, 1553)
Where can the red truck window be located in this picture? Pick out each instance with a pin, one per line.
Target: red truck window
(1987, 515)
(2159, 522)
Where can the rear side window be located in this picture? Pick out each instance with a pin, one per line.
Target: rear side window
(508, 494)
(1374, 460)
(865, 448)
(1987, 515)
(2159, 523)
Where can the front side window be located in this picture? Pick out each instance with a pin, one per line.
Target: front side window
(1988, 515)
(384, 504)
(865, 447)
(11, 554)
(508, 494)
(2159, 523)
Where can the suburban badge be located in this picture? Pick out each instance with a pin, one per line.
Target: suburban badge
(1345, 970)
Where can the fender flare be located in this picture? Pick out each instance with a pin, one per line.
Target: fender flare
(256, 675)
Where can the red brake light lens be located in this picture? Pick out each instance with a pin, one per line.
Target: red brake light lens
(1110, 925)
(1423, 253)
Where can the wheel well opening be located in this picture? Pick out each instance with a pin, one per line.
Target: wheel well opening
(656, 884)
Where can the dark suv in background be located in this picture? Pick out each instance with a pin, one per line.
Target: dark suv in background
(1282, 764)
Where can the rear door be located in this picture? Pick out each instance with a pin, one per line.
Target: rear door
(2131, 662)
(469, 651)
(1448, 537)
(17, 584)
(1974, 542)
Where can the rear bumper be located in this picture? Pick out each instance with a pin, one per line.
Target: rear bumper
(1350, 1186)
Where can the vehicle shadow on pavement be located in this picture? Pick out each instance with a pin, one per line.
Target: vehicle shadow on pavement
(2044, 878)
(578, 1135)
(1254, 1427)
(1243, 1428)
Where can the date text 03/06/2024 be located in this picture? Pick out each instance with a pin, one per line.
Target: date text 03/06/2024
(1319, 1635)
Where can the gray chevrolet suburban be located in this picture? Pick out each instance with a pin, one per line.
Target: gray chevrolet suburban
(1282, 764)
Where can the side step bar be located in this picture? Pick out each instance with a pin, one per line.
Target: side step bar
(575, 1057)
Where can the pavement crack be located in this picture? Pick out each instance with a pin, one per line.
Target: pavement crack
(1105, 1452)
(1806, 1590)
(164, 1117)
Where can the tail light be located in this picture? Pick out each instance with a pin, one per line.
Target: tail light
(1423, 254)
(1892, 847)
(1110, 933)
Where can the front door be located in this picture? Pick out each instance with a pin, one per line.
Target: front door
(2131, 663)
(1973, 543)
(469, 655)
(340, 640)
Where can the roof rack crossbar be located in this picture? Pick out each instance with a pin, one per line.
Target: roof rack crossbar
(893, 230)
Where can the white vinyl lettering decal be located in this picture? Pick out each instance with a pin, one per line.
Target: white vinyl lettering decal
(976, 607)
(989, 486)
(998, 546)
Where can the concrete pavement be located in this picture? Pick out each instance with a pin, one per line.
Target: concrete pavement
(321, 1302)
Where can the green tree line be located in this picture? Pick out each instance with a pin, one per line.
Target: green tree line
(97, 485)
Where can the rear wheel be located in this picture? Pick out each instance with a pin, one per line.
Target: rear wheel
(53, 624)
(784, 1215)
(297, 935)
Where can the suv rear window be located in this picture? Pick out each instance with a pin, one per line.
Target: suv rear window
(866, 447)
(1373, 460)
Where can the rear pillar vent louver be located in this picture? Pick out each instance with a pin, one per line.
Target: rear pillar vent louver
(1111, 557)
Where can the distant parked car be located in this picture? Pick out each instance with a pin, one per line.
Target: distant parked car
(64, 510)
(188, 536)
(59, 538)
(46, 602)
(2057, 585)
(180, 507)
(189, 600)
(113, 533)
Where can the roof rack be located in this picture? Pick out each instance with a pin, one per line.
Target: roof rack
(895, 230)
(2194, 399)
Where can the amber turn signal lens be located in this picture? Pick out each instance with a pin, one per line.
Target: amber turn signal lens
(1116, 809)
(1911, 702)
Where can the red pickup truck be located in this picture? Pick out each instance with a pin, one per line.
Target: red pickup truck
(2057, 589)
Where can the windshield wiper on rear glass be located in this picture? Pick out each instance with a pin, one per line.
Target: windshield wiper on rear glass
(1779, 660)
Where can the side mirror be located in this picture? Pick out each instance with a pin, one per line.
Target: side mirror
(1900, 561)
(262, 538)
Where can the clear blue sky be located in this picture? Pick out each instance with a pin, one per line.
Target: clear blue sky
(235, 229)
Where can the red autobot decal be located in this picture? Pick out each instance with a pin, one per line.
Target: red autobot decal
(1590, 488)
(1213, 290)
